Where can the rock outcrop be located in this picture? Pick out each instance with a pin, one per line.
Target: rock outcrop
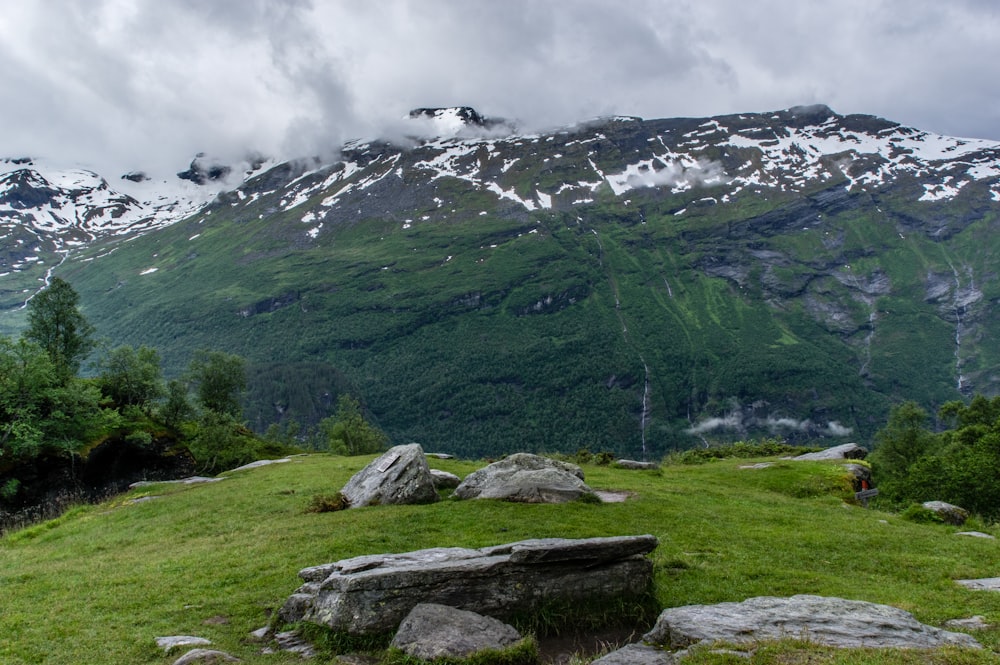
(398, 476)
(372, 594)
(432, 631)
(845, 451)
(830, 621)
(525, 478)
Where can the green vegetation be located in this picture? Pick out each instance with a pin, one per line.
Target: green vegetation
(958, 465)
(99, 584)
(53, 422)
(464, 320)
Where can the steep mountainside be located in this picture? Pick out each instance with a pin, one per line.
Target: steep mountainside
(624, 284)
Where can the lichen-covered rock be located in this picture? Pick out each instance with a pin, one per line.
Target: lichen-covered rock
(432, 631)
(372, 594)
(830, 621)
(949, 513)
(398, 476)
(525, 478)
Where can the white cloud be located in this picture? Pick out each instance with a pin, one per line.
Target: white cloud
(133, 84)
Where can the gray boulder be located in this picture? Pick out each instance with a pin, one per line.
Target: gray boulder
(830, 621)
(845, 451)
(372, 594)
(432, 631)
(444, 480)
(949, 513)
(398, 476)
(525, 478)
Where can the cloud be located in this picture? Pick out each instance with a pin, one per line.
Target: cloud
(740, 420)
(730, 421)
(676, 174)
(148, 84)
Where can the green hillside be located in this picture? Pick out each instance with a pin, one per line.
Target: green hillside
(491, 296)
(99, 584)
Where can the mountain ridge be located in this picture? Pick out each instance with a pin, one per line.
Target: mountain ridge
(650, 283)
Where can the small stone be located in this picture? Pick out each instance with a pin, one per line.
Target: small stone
(172, 642)
(633, 465)
(637, 654)
(982, 584)
(445, 480)
(975, 534)
(972, 623)
(205, 657)
(261, 634)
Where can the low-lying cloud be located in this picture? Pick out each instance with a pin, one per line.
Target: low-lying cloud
(738, 421)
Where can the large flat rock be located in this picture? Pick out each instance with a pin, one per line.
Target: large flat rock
(830, 621)
(372, 594)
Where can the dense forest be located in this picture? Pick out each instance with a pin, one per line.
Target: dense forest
(66, 435)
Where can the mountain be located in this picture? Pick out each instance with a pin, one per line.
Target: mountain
(47, 212)
(624, 284)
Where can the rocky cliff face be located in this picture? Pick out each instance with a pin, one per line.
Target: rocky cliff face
(624, 283)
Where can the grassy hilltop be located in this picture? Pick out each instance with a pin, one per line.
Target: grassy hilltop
(99, 584)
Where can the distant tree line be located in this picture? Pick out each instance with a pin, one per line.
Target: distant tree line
(47, 410)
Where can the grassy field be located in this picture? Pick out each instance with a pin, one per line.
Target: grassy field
(99, 584)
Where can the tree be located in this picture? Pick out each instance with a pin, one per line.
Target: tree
(899, 445)
(131, 377)
(348, 433)
(176, 409)
(26, 377)
(56, 324)
(220, 379)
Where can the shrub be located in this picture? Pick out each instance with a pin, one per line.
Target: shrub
(917, 513)
(328, 503)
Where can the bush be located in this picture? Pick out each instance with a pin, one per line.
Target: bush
(917, 513)
(328, 503)
(220, 443)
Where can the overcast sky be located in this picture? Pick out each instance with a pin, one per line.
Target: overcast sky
(145, 84)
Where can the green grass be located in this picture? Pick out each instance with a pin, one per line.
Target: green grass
(99, 584)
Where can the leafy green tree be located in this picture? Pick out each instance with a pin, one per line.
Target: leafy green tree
(348, 433)
(221, 443)
(131, 377)
(898, 446)
(177, 407)
(220, 379)
(26, 377)
(56, 324)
